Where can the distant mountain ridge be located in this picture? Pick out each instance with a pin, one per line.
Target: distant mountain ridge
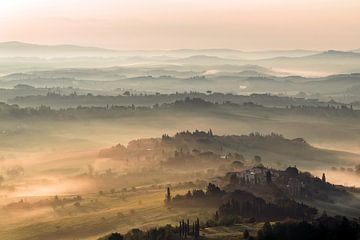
(14, 49)
(335, 53)
(324, 54)
(23, 46)
(24, 57)
(17, 44)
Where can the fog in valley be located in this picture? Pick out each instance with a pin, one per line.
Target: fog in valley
(91, 138)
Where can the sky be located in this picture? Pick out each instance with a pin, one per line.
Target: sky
(173, 24)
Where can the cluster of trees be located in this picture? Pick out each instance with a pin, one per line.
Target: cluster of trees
(51, 202)
(312, 187)
(195, 133)
(61, 202)
(336, 106)
(332, 110)
(161, 233)
(69, 96)
(112, 109)
(259, 209)
(323, 228)
(211, 191)
(186, 230)
(191, 102)
(168, 232)
(168, 196)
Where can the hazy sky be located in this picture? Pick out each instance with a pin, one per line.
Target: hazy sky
(168, 24)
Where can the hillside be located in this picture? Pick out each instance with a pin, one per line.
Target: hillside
(242, 79)
(326, 62)
(20, 49)
(203, 149)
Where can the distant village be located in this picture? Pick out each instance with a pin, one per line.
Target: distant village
(289, 180)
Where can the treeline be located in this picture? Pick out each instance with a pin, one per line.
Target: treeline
(204, 148)
(54, 203)
(161, 233)
(107, 111)
(55, 99)
(208, 139)
(187, 104)
(185, 230)
(244, 205)
(323, 228)
(261, 210)
(211, 191)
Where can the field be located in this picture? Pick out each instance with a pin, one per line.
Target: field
(96, 216)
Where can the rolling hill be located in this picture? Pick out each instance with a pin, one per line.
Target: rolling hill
(20, 49)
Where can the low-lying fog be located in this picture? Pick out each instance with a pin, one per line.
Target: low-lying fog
(51, 161)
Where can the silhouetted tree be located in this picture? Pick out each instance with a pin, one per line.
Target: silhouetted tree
(197, 229)
(323, 228)
(115, 236)
(246, 234)
(216, 216)
(168, 195)
(257, 159)
(268, 177)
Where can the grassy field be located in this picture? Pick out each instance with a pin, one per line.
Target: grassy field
(96, 216)
(229, 233)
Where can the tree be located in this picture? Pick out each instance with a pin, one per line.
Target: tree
(246, 234)
(212, 189)
(197, 229)
(168, 195)
(257, 159)
(292, 171)
(267, 230)
(237, 164)
(115, 236)
(268, 177)
(216, 216)
(239, 157)
(135, 234)
(234, 179)
(324, 228)
(323, 178)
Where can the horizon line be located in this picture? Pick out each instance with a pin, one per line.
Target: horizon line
(172, 49)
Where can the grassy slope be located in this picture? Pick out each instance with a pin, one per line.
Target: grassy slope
(99, 215)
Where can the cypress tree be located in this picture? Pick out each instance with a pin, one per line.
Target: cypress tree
(188, 227)
(197, 228)
(168, 195)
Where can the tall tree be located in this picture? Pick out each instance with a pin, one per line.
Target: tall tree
(168, 195)
(323, 178)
